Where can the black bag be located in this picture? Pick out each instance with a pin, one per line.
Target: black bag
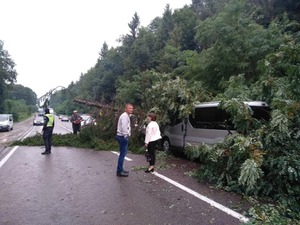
(148, 158)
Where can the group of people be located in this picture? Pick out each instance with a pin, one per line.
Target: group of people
(48, 127)
(152, 137)
(123, 133)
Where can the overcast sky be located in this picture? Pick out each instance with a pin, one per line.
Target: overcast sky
(53, 41)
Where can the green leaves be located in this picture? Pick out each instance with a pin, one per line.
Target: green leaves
(8, 74)
(250, 173)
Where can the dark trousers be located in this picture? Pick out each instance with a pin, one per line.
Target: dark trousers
(76, 127)
(151, 150)
(47, 135)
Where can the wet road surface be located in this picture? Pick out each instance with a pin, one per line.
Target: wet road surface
(80, 187)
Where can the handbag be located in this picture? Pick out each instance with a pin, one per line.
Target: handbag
(147, 155)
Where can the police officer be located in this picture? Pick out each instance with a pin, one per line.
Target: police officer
(47, 131)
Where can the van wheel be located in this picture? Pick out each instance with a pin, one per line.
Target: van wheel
(166, 145)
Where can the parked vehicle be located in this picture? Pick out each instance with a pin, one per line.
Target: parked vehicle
(87, 120)
(6, 122)
(209, 124)
(64, 118)
(38, 120)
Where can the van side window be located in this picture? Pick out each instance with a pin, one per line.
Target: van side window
(261, 113)
(211, 118)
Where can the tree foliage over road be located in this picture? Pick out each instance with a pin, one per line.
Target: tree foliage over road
(228, 50)
(218, 50)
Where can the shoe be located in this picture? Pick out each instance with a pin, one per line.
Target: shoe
(46, 153)
(125, 171)
(149, 171)
(122, 174)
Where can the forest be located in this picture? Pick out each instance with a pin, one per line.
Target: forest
(226, 50)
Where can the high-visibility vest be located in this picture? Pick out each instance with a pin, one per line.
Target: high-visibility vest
(50, 120)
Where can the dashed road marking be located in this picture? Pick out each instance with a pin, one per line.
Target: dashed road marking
(128, 159)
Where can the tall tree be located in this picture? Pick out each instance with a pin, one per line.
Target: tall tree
(127, 40)
(165, 28)
(134, 25)
(7, 74)
(207, 8)
(183, 34)
(103, 51)
(233, 43)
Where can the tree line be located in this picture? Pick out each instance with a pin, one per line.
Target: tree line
(14, 98)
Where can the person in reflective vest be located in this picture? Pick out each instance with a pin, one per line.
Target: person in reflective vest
(47, 131)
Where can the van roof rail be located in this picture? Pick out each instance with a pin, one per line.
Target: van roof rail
(216, 103)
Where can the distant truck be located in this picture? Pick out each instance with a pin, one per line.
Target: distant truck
(51, 110)
(41, 112)
(6, 122)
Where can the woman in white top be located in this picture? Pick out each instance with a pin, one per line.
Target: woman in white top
(151, 139)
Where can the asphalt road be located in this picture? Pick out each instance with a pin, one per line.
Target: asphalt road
(80, 187)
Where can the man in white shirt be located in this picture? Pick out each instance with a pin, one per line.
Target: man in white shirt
(123, 134)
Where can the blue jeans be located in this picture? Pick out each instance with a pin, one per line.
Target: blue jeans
(123, 146)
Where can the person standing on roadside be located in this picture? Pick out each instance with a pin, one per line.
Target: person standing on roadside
(151, 139)
(123, 134)
(76, 122)
(47, 131)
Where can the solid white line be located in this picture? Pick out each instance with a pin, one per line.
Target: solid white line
(65, 127)
(199, 196)
(128, 159)
(7, 156)
(205, 199)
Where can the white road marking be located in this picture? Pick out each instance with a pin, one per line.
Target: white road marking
(26, 135)
(182, 187)
(65, 127)
(199, 196)
(7, 156)
(204, 198)
(117, 153)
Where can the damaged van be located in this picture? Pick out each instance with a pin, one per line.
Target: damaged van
(209, 124)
